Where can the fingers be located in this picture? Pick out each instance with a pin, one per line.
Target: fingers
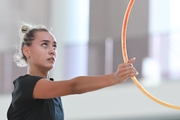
(129, 73)
(126, 70)
(129, 63)
(132, 60)
(124, 65)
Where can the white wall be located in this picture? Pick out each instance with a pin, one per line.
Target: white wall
(4, 104)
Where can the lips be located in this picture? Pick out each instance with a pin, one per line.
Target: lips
(51, 59)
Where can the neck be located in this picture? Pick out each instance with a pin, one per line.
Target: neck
(38, 72)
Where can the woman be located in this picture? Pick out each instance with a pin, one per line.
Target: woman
(35, 95)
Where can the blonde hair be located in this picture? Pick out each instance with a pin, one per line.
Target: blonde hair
(27, 36)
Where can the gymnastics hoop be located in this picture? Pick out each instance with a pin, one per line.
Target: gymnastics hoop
(125, 58)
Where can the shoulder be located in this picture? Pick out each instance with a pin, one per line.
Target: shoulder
(26, 79)
(24, 86)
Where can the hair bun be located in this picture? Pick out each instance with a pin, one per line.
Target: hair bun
(25, 28)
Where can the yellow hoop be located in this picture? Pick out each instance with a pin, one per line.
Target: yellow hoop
(125, 57)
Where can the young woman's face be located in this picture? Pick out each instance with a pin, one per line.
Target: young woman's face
(42, 52)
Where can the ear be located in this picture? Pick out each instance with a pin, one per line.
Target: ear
(26, 51)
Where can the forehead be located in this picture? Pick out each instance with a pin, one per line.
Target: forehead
(43, 35)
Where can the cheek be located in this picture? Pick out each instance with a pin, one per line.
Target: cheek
(38, 59)
(37, 54)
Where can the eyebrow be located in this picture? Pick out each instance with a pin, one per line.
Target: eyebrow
(48, 41)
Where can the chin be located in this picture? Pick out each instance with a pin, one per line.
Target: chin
(48, 68)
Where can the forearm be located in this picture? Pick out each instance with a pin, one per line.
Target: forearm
(84, 84)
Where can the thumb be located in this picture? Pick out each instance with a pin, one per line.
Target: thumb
(132, 60)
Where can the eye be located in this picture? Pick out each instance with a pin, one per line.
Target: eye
(44, 44)
(54, 46)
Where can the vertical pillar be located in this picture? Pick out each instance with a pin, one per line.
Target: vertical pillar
(70, 23)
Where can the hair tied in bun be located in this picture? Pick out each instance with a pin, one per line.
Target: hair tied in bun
(25, 28)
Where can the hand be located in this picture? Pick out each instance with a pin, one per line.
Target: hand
(125, 70)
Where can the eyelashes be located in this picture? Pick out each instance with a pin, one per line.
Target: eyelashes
(55, 46)
(47, 45)
(44, 44)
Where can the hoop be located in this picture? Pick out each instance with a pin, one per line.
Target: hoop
(125, 57)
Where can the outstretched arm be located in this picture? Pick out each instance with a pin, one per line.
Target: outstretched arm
(50, 89)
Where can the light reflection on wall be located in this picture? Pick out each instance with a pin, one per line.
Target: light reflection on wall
(164, 29)
(70, 23)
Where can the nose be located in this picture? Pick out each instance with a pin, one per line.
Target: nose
(52, 51)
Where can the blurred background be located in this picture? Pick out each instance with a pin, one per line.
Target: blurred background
(88, 34)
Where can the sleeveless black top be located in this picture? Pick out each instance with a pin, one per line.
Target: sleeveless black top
(24, 107)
